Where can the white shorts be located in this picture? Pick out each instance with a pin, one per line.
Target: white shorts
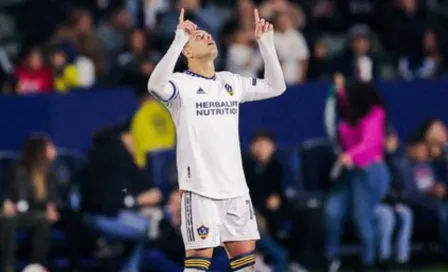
(210, 222)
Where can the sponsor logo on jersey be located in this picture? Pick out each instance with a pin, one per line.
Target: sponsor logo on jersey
(200, 91)
(207, 108)
(228, 89)
(203, 232)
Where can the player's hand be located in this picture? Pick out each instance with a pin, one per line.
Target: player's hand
(273, 202)
(52, 213)
(187, 26)
(262, 27)
(149, 198)
(345, 160)
(339, 82)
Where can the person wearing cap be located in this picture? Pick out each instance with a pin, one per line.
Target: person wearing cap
(30, 201)
(114, 190)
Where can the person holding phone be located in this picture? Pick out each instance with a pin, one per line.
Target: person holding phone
(360, 134)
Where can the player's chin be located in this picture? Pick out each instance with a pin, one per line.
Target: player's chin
(213, 53)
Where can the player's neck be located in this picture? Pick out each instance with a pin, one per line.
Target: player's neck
(205, 69)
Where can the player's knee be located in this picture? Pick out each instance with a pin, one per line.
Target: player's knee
(243, 263)
(197, 263)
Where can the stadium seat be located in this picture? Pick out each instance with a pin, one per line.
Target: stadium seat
(67, 167)
(317, 159)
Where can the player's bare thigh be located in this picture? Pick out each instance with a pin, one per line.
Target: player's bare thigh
(238, 248)
(203, 252)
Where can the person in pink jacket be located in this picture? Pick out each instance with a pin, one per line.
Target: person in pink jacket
(361, 134)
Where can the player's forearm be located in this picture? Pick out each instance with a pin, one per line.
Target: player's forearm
(273, 73)
(164, 69)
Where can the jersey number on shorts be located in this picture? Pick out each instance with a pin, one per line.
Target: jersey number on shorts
(251, 210)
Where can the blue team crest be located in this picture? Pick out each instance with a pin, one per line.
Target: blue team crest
(228, 89)
(203, 231)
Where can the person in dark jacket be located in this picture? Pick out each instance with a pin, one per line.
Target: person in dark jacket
(114, 189)
(264, 175)
(394, 217)
(30, 202)
(421, 187)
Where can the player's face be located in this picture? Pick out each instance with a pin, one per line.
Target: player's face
(201, 46)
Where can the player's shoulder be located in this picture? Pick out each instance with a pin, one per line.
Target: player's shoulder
(178, 76)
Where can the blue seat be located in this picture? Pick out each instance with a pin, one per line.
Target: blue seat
(317, 159)
(163, 169)
(289, 158)
(67, 167)
(8, 160)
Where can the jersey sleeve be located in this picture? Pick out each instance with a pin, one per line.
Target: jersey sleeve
(253, 89)
(169, 93)
(273, 83)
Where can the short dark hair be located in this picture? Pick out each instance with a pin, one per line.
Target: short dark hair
(264, 134)
(415, 139)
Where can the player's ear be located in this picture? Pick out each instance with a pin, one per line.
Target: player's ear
(186, 53)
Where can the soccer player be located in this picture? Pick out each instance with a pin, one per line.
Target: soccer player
(204, 105)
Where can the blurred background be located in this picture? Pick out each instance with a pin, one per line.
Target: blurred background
(87, 157)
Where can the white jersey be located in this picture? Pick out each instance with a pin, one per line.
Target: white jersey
(206, 114)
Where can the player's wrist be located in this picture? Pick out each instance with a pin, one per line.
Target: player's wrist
(181, 37)
(266, 39)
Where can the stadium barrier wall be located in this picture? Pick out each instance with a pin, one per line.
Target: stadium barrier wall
(295, 116)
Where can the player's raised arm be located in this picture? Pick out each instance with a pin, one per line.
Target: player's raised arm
(274, 82)
(158, 83)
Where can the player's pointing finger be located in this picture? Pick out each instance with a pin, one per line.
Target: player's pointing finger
(181, 16)
(256, 16)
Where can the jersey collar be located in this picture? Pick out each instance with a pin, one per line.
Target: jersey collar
(188, 72)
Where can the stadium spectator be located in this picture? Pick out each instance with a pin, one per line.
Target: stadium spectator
(396, 210)
(425, 192)
(7, 78)
(323, 17)
(435, 135)
(113, 190)
(206, 18)
(33, 76)
(356, 62)
(294, 62)
(361, 136)
(240, 20)
(113, 33)
(269, 9)
(31, 202)
(264, 175)
(319, 66)
(152, 128)
(243, 56)
(151, 10)
(360, 12)
(65, 74)
(89, 46)
(135, 65)
(85, 64)
(429, 64)
(404, 26)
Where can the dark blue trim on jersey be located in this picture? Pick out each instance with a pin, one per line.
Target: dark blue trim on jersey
(175, 91)
(190, 73)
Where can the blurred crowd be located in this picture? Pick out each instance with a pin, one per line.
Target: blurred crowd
(119, 199)
(51, 45)
(117, 207)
